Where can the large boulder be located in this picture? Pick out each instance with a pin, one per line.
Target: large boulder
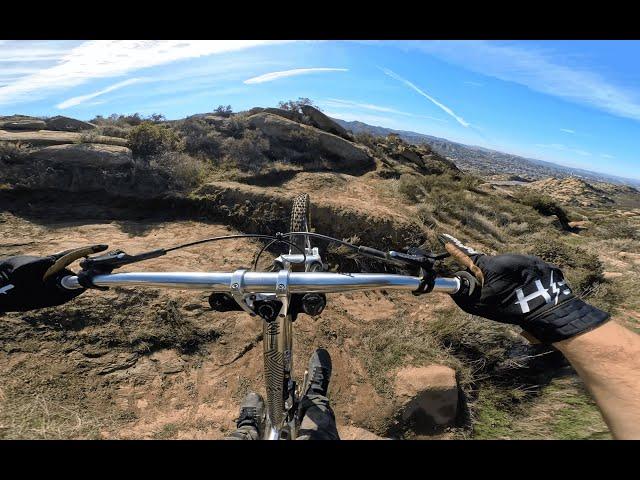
(84, 155)
(67, 124)
(341, 153)
(21, 122)
(427, 397)
(321, 121)
(48, 137)
(281, 112)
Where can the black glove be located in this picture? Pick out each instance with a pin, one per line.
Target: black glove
(525, 290)
(22, 287)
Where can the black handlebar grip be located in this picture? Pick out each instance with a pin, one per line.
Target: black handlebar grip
(373, 252)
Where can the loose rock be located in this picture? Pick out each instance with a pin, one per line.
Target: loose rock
(427, 397)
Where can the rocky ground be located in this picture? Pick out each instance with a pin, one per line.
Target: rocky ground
(159, 364)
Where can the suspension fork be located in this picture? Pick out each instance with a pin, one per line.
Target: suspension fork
(278, 368)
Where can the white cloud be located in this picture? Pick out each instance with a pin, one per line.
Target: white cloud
(111, 58)
(606, 155)
(339, 103)
(567, 130)
(540, 69)
(72, 102)
(270, 77)
(446, 109)
(474, 84)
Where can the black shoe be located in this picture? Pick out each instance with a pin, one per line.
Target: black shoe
(318, 373)
(251, 412)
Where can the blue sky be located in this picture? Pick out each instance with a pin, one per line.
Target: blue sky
(576, 103)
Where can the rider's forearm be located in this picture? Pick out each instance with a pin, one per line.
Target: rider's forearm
(608, 361)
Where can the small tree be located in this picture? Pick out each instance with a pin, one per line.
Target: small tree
(295, 105)
(157, 118)
(223, 111)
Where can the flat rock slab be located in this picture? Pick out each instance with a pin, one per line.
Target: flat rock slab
(49, 137)
(27, 124)
(84, 154)
(427, 397)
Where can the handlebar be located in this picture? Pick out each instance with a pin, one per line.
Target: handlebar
(280, 282)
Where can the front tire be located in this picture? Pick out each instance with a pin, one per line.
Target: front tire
(300, 222)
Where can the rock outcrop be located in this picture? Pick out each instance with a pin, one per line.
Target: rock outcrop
(427, 397)
(48, 137)
(280, 112)
(84, 155)
(67, 124)
(314, 143)
(321, 121)
(21, 122)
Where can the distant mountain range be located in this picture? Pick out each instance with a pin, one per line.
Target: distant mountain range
(489, 162)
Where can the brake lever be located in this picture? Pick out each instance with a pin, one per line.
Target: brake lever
(425, 261)
(118, 258)
(66, 258)
(418, 257)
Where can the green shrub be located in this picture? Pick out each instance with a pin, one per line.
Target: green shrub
(178, 171)
(544, 205)
(583, 269)
(615, 228)
(200, 139)
(113, 131)
(148, 139)
(248, 152)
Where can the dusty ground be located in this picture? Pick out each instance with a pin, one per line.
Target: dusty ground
(70, 372)
(159, 364)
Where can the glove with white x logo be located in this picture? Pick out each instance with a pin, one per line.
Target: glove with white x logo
(525, 290)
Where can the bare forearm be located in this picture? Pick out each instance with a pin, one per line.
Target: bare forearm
(608, 361)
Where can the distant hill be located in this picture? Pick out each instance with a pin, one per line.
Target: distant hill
(489, 162)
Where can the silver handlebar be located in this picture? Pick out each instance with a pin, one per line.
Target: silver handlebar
(265, 282)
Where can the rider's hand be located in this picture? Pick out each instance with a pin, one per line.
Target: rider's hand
(526, 291)
(22, 286)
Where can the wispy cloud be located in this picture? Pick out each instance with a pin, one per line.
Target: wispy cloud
(340, 103)
(474, 84)
(567, 130)
(270, 77)
(110, 58)
(72, 102)
(446, 109)
(606, 155)
(540, 69)
(564, 148)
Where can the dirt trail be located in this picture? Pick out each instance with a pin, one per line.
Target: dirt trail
(161, 364)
